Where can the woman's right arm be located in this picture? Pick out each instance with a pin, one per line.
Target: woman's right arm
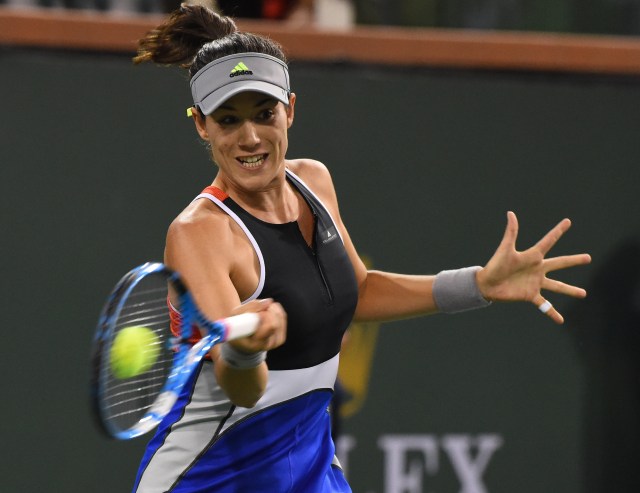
(201, 246)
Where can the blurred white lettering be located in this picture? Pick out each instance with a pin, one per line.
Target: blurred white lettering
(410, 459)
(468, 470)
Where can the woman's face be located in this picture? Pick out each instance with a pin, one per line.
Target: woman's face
(248, 137)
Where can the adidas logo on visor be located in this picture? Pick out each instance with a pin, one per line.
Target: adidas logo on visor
(240, 69)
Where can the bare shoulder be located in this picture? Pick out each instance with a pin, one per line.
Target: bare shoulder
(199, 218)
(213, 256)
(200, 229)
(316, 175)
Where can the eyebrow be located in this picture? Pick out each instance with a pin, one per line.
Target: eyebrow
(258, 104)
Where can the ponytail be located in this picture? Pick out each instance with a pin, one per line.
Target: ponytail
(178, 40)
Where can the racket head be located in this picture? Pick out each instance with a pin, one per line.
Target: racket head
(149, 296)
(127, 406)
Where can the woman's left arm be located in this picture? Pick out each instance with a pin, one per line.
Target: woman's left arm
(509, 275)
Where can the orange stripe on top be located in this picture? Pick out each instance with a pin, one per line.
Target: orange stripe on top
(216, 192)
(175, 322)
(175, 319)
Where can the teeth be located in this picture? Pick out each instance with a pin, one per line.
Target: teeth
(252, 161)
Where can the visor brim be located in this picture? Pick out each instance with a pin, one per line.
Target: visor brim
(214, 100)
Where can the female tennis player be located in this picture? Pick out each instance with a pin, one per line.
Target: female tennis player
(266, 236)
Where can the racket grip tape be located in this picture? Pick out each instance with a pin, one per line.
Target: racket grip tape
(238, 326)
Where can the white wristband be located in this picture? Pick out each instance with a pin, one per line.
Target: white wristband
(457, 291)
(239, 360)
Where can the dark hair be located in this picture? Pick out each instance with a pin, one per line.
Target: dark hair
(194, 36)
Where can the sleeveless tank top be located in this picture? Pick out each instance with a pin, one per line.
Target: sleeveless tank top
(314, 283)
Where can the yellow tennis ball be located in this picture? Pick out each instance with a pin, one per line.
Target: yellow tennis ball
(135, 349)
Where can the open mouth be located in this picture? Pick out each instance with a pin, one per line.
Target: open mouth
(250, 162)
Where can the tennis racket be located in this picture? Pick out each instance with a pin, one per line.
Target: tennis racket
(127, 406)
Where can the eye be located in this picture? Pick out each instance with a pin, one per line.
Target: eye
(266, 115)
(226, 120)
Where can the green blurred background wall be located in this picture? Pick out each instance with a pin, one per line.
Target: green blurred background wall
(98, 157)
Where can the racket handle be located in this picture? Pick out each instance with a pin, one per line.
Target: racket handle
(242, 325)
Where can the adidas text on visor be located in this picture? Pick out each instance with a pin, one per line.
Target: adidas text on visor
(225, 77)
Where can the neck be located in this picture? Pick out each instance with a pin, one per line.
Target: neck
(278, 203)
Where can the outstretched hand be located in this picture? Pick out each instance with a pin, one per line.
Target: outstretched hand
(511, 275)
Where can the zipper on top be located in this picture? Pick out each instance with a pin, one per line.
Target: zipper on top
(316, 258)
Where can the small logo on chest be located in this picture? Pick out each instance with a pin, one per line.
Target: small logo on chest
(329, 235)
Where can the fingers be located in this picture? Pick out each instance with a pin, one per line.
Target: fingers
(511, 232)
(551, 238)
(567, 261)
(564, 262)
(548, 309)
(562, 288)
(520, 275)
(255, 306)
(272, 331)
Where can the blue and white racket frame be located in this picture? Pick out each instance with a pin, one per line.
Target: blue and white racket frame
(186, 357)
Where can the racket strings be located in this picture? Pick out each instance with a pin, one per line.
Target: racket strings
(126, 400)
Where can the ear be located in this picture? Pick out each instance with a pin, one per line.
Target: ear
(291, 109)
(200, 122)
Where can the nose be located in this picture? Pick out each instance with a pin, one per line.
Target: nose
(248, 135)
